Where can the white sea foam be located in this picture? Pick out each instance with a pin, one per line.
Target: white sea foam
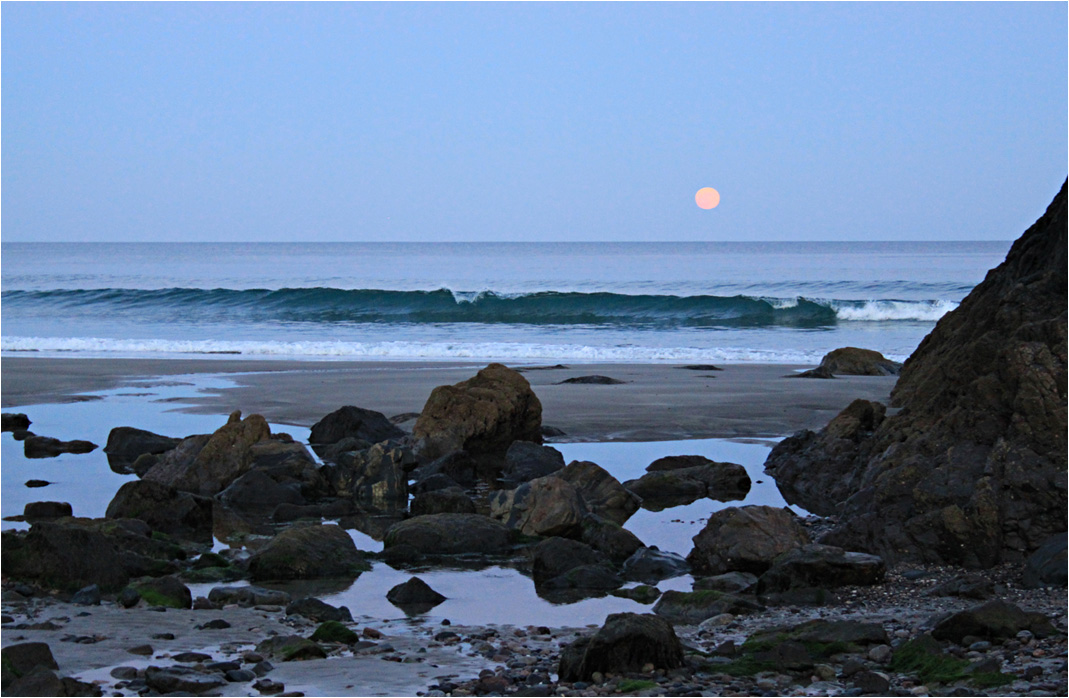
(404, 350)
(877, 311)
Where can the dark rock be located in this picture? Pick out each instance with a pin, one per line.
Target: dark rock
(214, 624)
(662, 489)
(41, 682)
(596, 577)
(126, 444)
(290, 648)
(404, 417)
(141, 650)
(602, 493)
(625, 644)
(459, 466)
(129, 597)
(872, 682)
(256, 492)
(374, 478)
(13, 421)
(190, 657)
(608, 537)
(180, 514)
(451, 500)
(650, 565)
(483, 414)
(832, 632)
(971, 471)
(46, 510)
(994, 620)
(38, 483)
(591, 380)
(1046, 567)
(692, 607)
(353, 422)
(969, 586)
(124, 673)
(642, 593)
(677, 463)
(746, 539)
(818, 372)
(22, 658)
(549, 432)
(165, 591)
(308, 552)
(87, 596)
(730, 582)
(338, 451)
(181, 679)
(414, 596)
(825, 566)
(450, 534)
(430, 483)
(47, 447)
(334, 631)
(851, 361)
(555, 556)
(319, 611)
(700, 367)
(545, 506)
(22, 434)
(330, 509)
(525, 461)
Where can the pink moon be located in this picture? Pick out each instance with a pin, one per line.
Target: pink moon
(707, 198)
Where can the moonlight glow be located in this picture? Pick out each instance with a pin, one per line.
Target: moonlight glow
(707, 198)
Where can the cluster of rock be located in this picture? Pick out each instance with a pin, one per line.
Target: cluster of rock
(971, 469)
(34, 446)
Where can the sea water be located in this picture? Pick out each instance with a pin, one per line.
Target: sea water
(609, 302)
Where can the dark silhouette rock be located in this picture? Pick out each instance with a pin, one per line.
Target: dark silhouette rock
(47, 447)
(525, 461)
(746, 539)
(319, 611)
(374, 478)
(677, 463)
(1046, 567)
(22, 658)
(14, 421)
(353, 422)
(554, 557)
(662, 489)
(308, 552)
(256, 492)
(451, 500)
(602, 493)
(180, 514)
(851, 361)
(458, 466)
(590, 380)
(972, 469)
(126, 444)
(247, 596)
(821, 566)
(87, 596)
(290, 648)
(482, 415)
(450, 534)
(178, 679)
(819, 372)
(46, 510)
(693, 607)
(650, 566)
(414, 596)
(608, 537)
(994, 620)
(625, 644)
(165, 591)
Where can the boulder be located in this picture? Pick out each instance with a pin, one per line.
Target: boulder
(126, 444)
(319, 611)
(851, 361)
(223, 458)
(308, 552)
(180, 514)
(624, 645)
(746, 539)
(650, 565)
(677, 463)
(554, 557)
(482, 415)
(450, 534)
(169, 592)
(1046, 567)
(966, 586)
(257, 493)
(994, 620)
(662, 489)
(608, 537)
(730, 582)
(693, 607)
(334, 631)
(546, 506)
(46, 510)
(181, 680)
(525, 461)
(289, 648)
(584, 578)
(374, 478)
(87, 596)
(451, 500)
(458, 466)
(247, 596)
(602, 493)
(972, 469)
(435, 482)
(23, 658)
(591, 380)
(47, 447)
(414, 596)
(14, 421)
(336, 451)
(821, 566)
(353, 422)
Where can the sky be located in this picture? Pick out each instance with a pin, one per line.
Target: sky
(530, 122)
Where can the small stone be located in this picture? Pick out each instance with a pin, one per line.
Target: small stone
(263, 667)
(268, 687)
(124, 673)
(824, 672)
(240, 676)
(371, 634)
(128, 597)
(163, 636)
(141, 650)
(881, 654)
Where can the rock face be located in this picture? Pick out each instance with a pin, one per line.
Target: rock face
(224, 457)
(481, 415)
(625, 644)
(746, 539)
(972, 470)
(851, 361)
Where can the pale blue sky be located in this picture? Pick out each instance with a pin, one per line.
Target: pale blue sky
(444, 121)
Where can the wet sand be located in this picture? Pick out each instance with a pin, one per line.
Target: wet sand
(655, 402)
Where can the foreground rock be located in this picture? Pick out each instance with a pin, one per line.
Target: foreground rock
(352, 422)
(14, 421)
(627, 643)
(747, 539)
(126, 444)
(972, 470)
(851, 361)
(165, 509)
(821, 567)
(308, 552)
(482, 415)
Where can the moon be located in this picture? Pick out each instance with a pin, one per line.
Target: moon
(707, 198)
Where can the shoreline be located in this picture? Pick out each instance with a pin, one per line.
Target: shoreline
(654, 402)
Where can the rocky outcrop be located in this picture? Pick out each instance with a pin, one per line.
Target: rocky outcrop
(165, 509)
(374, 478)
(625, 644)
(353, 422)
(224, 457)
(746, 539)
(851, 361)
(482, 415)
(972, 469)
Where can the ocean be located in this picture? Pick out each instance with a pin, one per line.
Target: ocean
(767, 302)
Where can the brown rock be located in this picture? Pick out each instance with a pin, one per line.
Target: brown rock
(746, 538)
(851, 361)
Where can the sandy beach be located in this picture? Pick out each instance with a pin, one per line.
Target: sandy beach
(654, 402)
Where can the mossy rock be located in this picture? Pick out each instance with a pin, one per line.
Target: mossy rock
(333, 631)
(165, 591)
(290, 648)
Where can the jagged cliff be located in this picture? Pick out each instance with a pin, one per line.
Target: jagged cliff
(972, 468)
